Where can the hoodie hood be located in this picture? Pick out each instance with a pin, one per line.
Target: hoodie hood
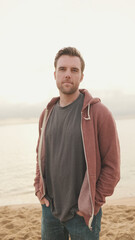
(88, 101)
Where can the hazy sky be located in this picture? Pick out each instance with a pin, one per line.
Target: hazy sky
(32, 31)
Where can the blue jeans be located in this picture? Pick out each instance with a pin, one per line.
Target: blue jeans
(53, 229)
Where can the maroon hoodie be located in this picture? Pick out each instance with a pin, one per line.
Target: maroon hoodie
(102, 155)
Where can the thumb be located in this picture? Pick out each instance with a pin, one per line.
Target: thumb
(46, 203)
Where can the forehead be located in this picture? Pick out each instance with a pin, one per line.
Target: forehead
(69, 61)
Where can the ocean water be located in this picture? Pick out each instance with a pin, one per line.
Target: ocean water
(18, 162)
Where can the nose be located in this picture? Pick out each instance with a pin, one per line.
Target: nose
(68, 74)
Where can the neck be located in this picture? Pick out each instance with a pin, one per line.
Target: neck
(66, 99)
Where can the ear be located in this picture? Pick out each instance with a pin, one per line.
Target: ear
(55, 75)
(82, 77)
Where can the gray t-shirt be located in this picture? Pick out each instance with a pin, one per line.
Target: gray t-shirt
(64, 161)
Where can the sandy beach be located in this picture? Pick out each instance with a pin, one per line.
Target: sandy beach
(19, 222)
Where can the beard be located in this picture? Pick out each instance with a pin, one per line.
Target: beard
(68, 90)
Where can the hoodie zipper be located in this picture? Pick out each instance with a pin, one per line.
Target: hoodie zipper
(46, 117)
(40, 147)
(91, 218)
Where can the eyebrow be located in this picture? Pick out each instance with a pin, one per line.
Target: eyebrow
(64, 67)
(61, 67)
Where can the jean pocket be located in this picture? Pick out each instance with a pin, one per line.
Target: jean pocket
(96, 224)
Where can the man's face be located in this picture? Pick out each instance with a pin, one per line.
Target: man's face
(68, 74)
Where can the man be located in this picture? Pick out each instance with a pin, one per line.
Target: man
(78, 157)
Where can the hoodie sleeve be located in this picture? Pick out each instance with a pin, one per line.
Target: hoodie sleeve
(110, 158)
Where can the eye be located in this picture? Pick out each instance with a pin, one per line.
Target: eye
(75, 70)
(61, 68)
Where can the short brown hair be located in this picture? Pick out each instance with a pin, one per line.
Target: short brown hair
(70, 51)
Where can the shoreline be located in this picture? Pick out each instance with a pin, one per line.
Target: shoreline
(128, 201)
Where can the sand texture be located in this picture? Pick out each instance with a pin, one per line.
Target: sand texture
(24, 221)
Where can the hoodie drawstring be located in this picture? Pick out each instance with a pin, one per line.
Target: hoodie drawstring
(88, 118)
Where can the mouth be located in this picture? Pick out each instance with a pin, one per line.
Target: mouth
(67, 83)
